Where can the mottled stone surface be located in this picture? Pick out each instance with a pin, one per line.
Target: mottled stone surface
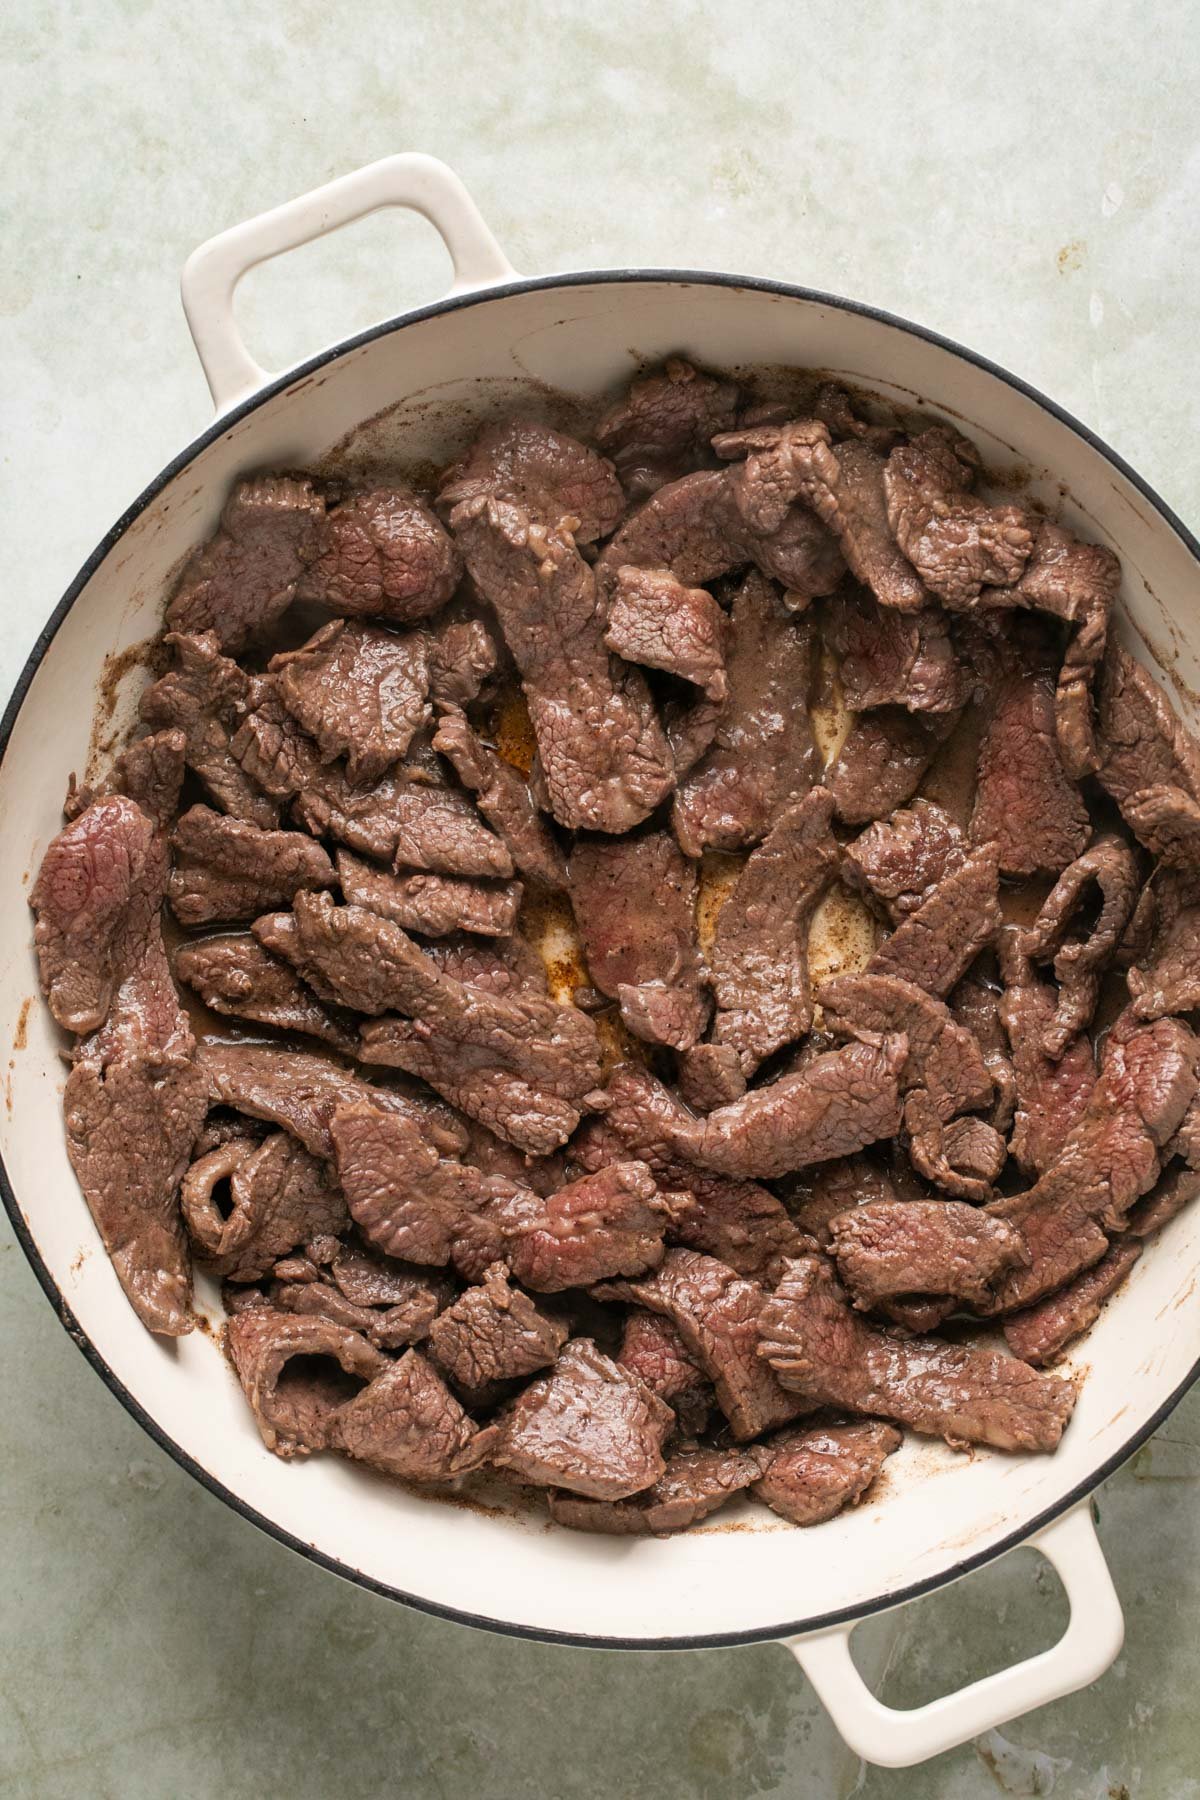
(1020, 178)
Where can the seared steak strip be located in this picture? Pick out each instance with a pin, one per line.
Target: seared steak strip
(381, 554)
(892, 658)
(652, 1348)
(281, 1197)
(544, 472)
(1041, 1335)
(503, 797)
(1167, 978)
(236, 977)
(226, 869)
(880, 765)
(240, 582)
(957, 543)
(693, 1484)
(589, 1426)
(1052, 1095)
(814, 1471)
(899, 862)
(1025, 802)
(406, 1422)
(655, 621)
(663, 427)
(494, 1332)
(1080, 962)
(359, 692)
(922, 1247)
(297, 1409)
(434, 905)
(936, 945)
(1150, 762)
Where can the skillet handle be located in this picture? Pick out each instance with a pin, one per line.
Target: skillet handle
(211, 273)
(897, 1739)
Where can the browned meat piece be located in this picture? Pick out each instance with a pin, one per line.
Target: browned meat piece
(544, 472)
(389, 1329)
(975, 1004)
(435, 905)
(835, 410)
(1025, 802)
(300, 1092)
(696, 528)
(407, 822)
(297, 1407)
(838, 1103)
(503, 797)
(655, 621)
(226, 869)
(1147, 1081)
(816, 1470)
(936, 945)
(245, 578)
(893, 658)
(635, 905)
(462, 659)
(1041, 1335)
(1167, 979)
(922, 1247)
(763, 756)
(281, 1196)
(900, 861)
(604, 759)
(957, 542)
(494, 1332)
(601, 1226)
(1079, 962)
(716, 1314)
(406, 1422)
(710, 1075)
(204, 696)
(844, 486)
(759, 957)
(589, 1426)
(406, 1198)
(236, 977)
(652, 1349)
(880, 764)
(835, 1187)
(962, 1156)
(505, 966)
(826, 1355)
(663, 427)
(97, 898)
(1077, 583)
(382, 554)
(368, 1279)
(270, 749)
(1052, 1096)
(359, 692)
(691, 726)
(150, 772)
(1146, 748)
(694, 1484)
(1177, 1189)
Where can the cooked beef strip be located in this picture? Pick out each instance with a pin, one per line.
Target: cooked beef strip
(693, 1484)
(1146, 749)
(405, 821)
(235, 976)
(604, 1225)
(406, 1422)
(696, 528)
(269, 747)
(1025, 802)
(282, 1196)
(495, 1332)
(880, 765)
(1080, 962)
(826, 1355)
(204, 696)
(503, 797)
(1167, 979)
(405, 1197)
(1052, 1095)
(1147, 1080)
(975, 1004)
(943, 1056)
(957, 543)
(463, 657)
(835, 1187)
(691, 726)
(759, 957)
(922, 1247)
(382, 554)
(936, 945)
(544, 472)
(710, 1075)
(962, 1156)
(368, 1279)
(589, 1426)
(504, 966)
(226, 869)
(814, 1471)
(652, 1349)
(663, 426)
(435, 905)
(1177, 1189)
(763, 756)
(840, 1102)
(835, 409)
(97, 898)
(300, 1091)
(1040, 1335)
(844, 486)
(389, 1329)
(655, 621)
(243, 580)
(893, 658)
(296, 1409)
(634, 900)
(899, 862)
(716, 1314)
(359, 692)
(149, 771)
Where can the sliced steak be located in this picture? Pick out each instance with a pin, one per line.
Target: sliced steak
(243, 580)
(975, 1004)
(408, 822)
(505, 966)
(462, 659)
(652, 1349)
(763, 756)
(434, 905)
(281, 1197)
(604, 759)
(663, 427)
(759, 957)
(836, 1187)
(922, 1247)
(814, 1471)
(382, 554)
(236, 977)
(899, 862)
(226, 869)
(1025, 802)
(270, 749)
(503, 797)
(655, 621)
(544, 472)
(297, 1407)
(359, 692)
(710, 1075)
(1177, 1189)
(390, 1328)
(589, 1426)
(1052, 1095)
(693, 1484)
(835, 409)
(597, 1228)
(494, 1332)
(1167, 978)
(891, 658)
(1041, 1335)
(150, 772)
(204, 696)
(406, 1197)
(406, 1422)
(957, 543)
(635, 905)
(1079, 962)
(826, 1355)
(934, 946)
(882, 761)
(1145, 747)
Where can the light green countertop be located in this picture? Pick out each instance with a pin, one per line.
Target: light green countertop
(1022, 178)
